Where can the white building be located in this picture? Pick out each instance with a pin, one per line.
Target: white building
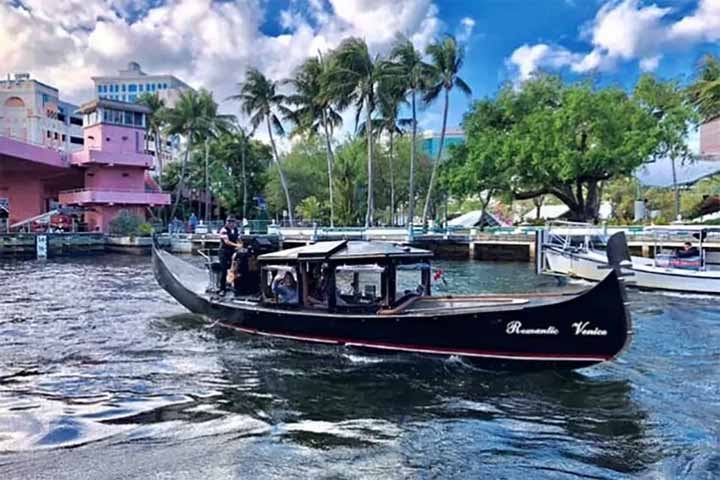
(129, 84)
(32, 112)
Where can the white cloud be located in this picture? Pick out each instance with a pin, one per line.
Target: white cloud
(528, 59)
(467, 25)
(205, 43)
(622, 31)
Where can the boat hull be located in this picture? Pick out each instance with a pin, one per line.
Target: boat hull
(565, 332)
(642, 274)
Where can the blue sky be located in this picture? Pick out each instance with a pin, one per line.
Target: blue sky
(210, 44)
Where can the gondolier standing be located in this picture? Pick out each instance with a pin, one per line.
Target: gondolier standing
(229, 237)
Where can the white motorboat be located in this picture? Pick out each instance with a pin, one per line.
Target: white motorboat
(582, 250)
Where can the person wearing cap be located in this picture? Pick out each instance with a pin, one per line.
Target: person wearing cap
(229, 242)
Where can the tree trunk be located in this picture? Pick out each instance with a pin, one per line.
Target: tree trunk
(370, 198)
(538, 202)
(158, 153)
(281, 173)
(392, 180)
(207, 183)
(433, 177)
(242, 163)
(676, 191)
(181, 182)
(330, 162)
(413, 145)
(484, 208)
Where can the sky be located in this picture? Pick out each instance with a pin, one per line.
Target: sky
(210, 44)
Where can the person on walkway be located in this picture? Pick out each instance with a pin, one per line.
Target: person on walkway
(193, 222)
(229, 242)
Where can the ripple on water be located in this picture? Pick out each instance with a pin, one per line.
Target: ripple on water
(94, 356)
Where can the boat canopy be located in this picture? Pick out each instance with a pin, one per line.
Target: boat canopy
(343, 251)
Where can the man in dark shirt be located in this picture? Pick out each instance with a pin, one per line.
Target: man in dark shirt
(229, 242)
(687, 251)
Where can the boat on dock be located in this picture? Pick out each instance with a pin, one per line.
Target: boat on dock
(377, 296)
(581, 251)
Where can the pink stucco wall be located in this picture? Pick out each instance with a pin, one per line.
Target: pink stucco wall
(114, 178)
(100, 157)
(17, 149)
(114, 138)
(26, 195)
(710, 137)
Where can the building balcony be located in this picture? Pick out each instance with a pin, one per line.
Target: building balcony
(100, 157)
(85, 196)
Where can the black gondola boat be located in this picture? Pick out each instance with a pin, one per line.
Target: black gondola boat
(555, 330)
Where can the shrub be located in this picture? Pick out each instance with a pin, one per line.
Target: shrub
(126, 224)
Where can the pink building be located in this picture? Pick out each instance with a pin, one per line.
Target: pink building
(108, 175)
(710, 137)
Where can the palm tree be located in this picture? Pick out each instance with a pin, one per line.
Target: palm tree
(194, 117)
(353, 79)
(415, 74)
(156, 122)
(705, 92)
(391, 96)
(314, 110)
(260, 100)
(447, 60)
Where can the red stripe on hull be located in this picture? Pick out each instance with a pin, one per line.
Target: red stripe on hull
(424, 349)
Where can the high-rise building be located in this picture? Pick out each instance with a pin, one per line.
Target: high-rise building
(32, 112)
(132, 82)
(431, 142)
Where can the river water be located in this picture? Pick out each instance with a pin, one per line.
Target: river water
(104, 376)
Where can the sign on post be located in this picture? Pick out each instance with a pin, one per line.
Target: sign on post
(41, 246)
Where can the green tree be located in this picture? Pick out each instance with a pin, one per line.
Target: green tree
(314, 110)
(260, 100)
(352, 80)
(305, 173)
(447, 60)
(705, 91)
(414, 74)
(155, 122)
(348, 178)
(195, 116)
(667, 104)
(471, 168)
(548, 137)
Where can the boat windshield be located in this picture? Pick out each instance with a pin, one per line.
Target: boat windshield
(358, 285)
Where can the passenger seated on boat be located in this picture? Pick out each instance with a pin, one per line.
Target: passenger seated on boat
(320, 288)
(687, 251)
(285, 288)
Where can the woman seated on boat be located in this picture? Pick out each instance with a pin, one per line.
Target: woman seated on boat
(687, 251)
(285, 288)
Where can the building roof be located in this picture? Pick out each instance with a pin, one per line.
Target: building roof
(346, 250)
(134, 72)
(114, 104)
(659, 173)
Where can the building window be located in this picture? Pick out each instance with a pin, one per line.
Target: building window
(76, 121)
(123, 87)
(132, 98)
(141, 87)
(99, 88)
(132, 87)
(124, 98)
(77, 140)
(49, 134)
